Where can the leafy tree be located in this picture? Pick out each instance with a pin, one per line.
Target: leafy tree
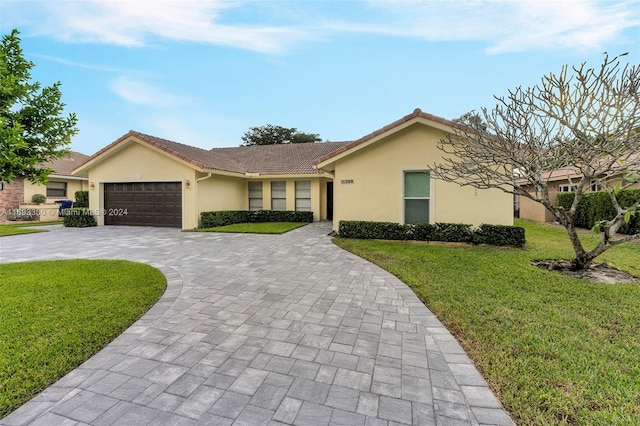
(473, 119)
(582, 122)
(32, 128)
(270, 134)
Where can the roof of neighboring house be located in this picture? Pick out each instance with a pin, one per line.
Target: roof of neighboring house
(573, 172)
(260, 159)
(417, 113)
(64, 166)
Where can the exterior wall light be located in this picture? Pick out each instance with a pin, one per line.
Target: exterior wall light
(187, 184)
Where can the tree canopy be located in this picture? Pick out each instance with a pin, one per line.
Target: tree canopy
(582, 123)
(270, 134)
(32, 128)
(473, 119)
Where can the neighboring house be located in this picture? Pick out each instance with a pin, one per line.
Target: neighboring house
(61, 185)
(144, 180)
(563, 180)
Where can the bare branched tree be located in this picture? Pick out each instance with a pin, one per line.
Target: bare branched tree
(584, 122)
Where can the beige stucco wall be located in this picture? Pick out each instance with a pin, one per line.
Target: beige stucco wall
(318, 193)
(532, 210)
(73, 185)
(377, 172)
(136, 163)
(49, 210)
(221, 193)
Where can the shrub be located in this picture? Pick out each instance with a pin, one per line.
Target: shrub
(596, 206)
(374, 230)
(38, 198)
(280, 216)
(229, 217)
(453, 233)
(446, 232)
(222, 218)
(82, 199)
(499, 235)
(78, 218)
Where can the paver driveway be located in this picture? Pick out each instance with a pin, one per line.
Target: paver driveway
(260, 329)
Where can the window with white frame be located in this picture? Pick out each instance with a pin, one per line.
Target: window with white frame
(303, 195)
(279, 195)
(417, 196)
(57, 189)
(595, 186)
(255, 196)
(567, 188)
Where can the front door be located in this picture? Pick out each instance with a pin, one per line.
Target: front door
(329, 200)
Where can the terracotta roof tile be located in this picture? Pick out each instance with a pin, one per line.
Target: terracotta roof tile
(64, 166)
(265, 159)
(280, 159)
(199, 157)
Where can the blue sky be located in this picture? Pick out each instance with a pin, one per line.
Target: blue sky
(202, 72)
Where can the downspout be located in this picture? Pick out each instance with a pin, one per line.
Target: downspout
(196, 189)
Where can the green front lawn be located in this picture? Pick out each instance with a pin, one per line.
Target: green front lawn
(556, 350)
(24, 228)
(255, 228)
(54, 315)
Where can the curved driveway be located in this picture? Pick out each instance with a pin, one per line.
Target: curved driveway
(257, 330)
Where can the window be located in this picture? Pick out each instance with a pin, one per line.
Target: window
(279, 195)
(595, 186)
(303, 195)
(255, 196)
(57, 189)
(567, 188)
(416, 197)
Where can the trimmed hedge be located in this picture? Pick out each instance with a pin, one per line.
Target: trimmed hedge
(447, 232)
(78, 218)
(498, 235)
(374, 230)
(82, 199)
(596, 206)
(230, 217)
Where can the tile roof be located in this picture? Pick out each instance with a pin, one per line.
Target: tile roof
(266, 159)
(261, 159)
(571, 172)
(199, 157)
(280, 159)
(64, 166)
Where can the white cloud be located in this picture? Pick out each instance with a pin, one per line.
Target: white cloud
(276, 26)
(92, 67)
(137, 23)
(507, 25)
(142, 93)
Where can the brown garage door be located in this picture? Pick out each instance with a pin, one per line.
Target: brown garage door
(143, 204)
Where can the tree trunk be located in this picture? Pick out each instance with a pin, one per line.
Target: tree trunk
(582, 259)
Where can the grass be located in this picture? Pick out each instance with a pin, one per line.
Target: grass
(54, 315)
(555, 349)
(24, 228)
(255, 228)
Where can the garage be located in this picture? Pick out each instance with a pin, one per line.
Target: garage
(143, 204)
